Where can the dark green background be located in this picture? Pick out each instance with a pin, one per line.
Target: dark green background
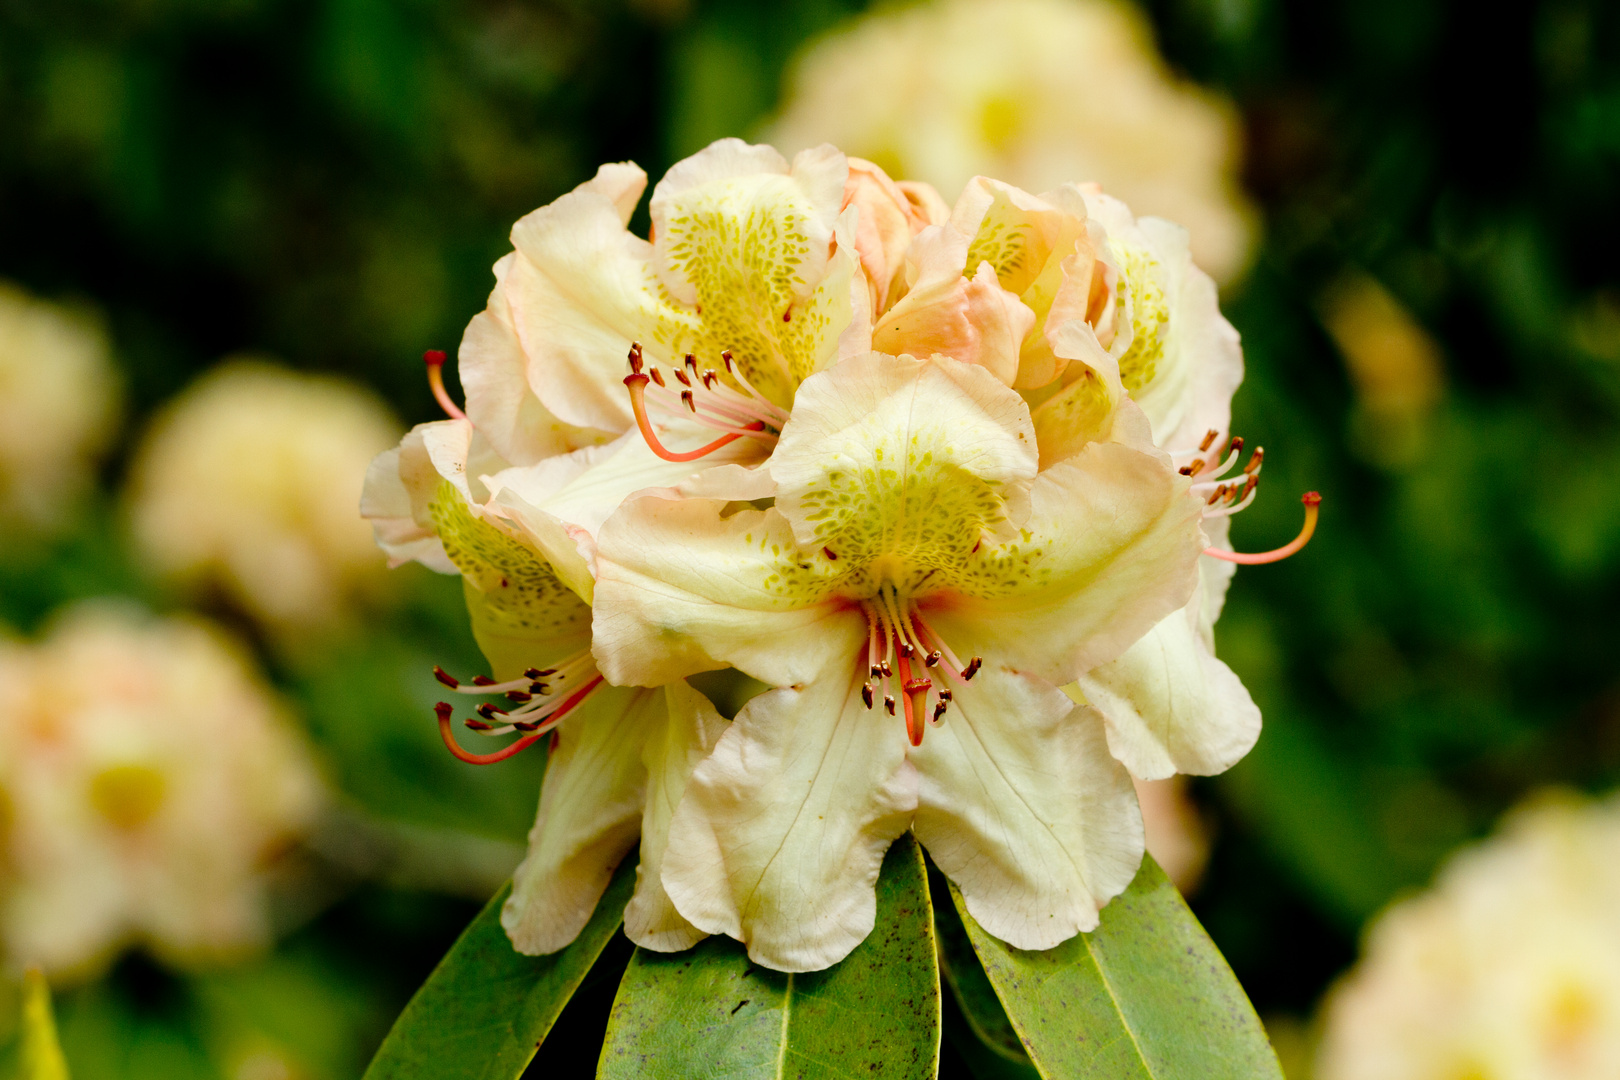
(329, 181)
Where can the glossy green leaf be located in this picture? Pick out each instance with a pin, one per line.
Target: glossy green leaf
(483, 1012)
(1145, 996)
(710, 1012)
(975, 1023)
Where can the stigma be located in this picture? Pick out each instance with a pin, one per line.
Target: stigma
(532, 706)
(707, 399)
(904, 653)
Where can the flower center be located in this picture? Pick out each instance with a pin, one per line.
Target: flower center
(705, 399)
(902, 653)
(538, 703)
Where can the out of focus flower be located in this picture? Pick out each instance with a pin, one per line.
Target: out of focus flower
(1036, 92)
(149, 778)
(1507, 969)
(1394, 365)
(1177, 837)
(248, 483)
(59, 400)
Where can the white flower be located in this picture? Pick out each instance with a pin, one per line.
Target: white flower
(149, 775)
(248, 482)
(59, 398)
(1507, 969)
(1037, 92)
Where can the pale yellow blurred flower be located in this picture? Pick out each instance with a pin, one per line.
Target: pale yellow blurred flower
(1507, 969)
(250, 483)
(149, 777)
(1036, 93)
(59, 397)
(1394, 364)
(1177, 837)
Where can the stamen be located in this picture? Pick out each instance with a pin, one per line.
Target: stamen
(1254, 460)
(972, 668)
(444, 712)
(1312, 501)
(867, 694)
(482, 680)
(445, 677)
(888, 703)
(635, 357)
(1209, 440)
(637, 383)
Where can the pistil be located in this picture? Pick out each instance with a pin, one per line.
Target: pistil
(434, 359)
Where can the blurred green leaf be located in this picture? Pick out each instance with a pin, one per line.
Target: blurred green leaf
(1145, 995)
(711, 1012)
(981, 1031)
(486, 1008)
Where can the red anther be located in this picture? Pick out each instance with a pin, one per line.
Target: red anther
(526, 725)
(690, 361)
(710, 377)
(932, 659)
(877, 671)
(686, 399)
(1185, 470)
(906, 650)
(886, 668)
(478, 725)
(444, 713)
(445, 677)
(539, 688)
(868, 694)
(635, 357)
(1236, 446)
(657, 376)
(888, 703)
(638, 404)
(434, 359)
(1254, 460)
(680, 375)
(518, 696)
(538, 673)
(972, 668)
(945, 693)
(832, 556)
(482, 680)
(1312, 501)
(1195, 468)
(488, 711)
(939, 710)
(725, 355)
(1215, 495)
(1209, 439)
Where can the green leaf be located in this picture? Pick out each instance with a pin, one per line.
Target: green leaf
(978, 1026)
(41, 1050)
(483, 1012)
(1145, 996)
(710, 1012)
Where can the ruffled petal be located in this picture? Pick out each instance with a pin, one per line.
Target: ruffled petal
(590, 815)
(683, 587)
(782, 830)
(670, 755)
(1170, 705)
(1022, 807)
(916, 459)
(1111, 548)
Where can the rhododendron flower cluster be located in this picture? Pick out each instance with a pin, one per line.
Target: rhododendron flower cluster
(951, 482)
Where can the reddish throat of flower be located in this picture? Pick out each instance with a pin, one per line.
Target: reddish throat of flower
(1224, 494)
(434, 359)
(705, 399)
(904, 653)
(536, 704)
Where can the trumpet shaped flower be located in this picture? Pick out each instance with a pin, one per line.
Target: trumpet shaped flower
(749, 254)
(916, 575)
(619, 755)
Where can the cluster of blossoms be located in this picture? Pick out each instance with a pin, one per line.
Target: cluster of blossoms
(952, 482)
(246, 483)
(1508, 967)
(1036, 92)
(148, 780)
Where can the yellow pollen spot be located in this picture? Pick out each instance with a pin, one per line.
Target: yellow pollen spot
(128, 796)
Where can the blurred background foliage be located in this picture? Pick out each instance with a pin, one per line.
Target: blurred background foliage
(1431, 324)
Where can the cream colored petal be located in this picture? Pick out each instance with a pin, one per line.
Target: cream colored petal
(782, 830)
(898, 457)
(683, 587)
(1110, 549)
(590, 815)
(1171, 706)
(888, 219)
(1022, 807)
(495, 375)
(386, 503)
(670, 754)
